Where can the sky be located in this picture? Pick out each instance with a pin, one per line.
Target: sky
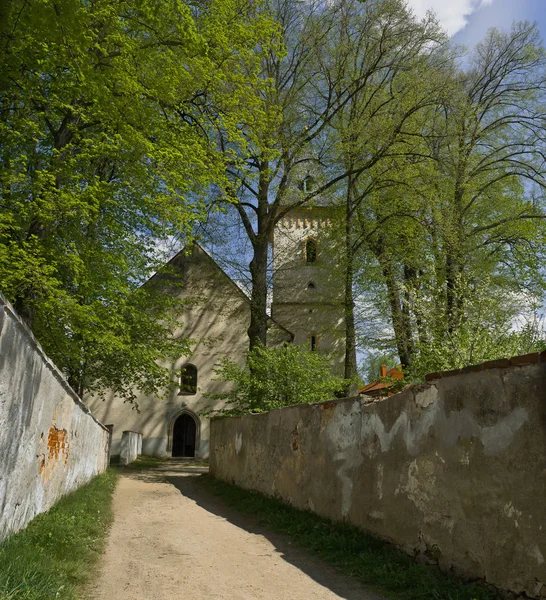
(468, 20)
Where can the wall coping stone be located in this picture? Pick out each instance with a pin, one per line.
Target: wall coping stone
(5, 306)
(501, 363)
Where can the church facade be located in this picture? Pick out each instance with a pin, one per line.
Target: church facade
(307, 309)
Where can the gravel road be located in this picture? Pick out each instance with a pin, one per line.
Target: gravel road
(173, 539)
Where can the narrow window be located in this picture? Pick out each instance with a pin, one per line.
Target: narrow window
(310, 251)
(314, 342)
(188, 380)
(308, 184)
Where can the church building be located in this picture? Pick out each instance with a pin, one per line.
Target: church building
(307, 308)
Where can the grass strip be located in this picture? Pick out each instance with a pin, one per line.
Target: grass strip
(350, 550)
(55, 554)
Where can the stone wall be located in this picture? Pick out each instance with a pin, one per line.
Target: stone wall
(453, 471)
(50, 443)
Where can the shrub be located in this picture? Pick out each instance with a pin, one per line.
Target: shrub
(277, 377)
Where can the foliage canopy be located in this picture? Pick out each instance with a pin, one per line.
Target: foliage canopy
(277, 377)
(106, 154)
(123, 125)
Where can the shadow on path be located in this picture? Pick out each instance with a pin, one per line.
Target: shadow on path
(312, 566)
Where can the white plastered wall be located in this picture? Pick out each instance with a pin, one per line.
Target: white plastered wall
(305, 310)
(216, 318)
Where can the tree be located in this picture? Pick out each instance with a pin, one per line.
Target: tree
(405, 65)
(472, 211)
(105, 152)
(277, 377)
(486, 331)
(334, 53)
(494, 134)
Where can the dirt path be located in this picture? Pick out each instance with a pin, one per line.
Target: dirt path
(172, 539)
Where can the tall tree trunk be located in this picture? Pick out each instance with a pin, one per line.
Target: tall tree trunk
(401, 322)
(257, 331)
(455, 233)
(400, 318)
(350, 335)
(413, 283)
(454, 262)
(452, 276)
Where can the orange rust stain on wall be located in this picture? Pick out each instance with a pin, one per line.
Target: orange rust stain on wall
(58, 447)
(57, 444)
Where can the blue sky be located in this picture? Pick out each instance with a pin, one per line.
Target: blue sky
(468, 20)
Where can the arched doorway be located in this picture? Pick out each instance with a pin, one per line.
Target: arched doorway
(184, 436)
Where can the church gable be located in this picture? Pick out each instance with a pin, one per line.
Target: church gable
(211, 296)
(215, 317)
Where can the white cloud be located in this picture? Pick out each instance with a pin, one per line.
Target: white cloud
(452, 14)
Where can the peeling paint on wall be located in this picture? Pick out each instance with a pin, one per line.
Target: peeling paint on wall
(453, 471)
(50, 443)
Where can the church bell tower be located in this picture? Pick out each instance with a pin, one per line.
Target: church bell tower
(308, 280)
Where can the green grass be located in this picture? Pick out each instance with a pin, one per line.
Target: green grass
(55, 554)
(350, 550)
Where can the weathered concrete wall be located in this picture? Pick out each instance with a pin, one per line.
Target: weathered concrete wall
(130, 447)
(454, 470)
(50, 443)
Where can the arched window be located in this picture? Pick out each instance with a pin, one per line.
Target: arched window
(188, 380)
(310, 251)
(311, 286)
(308, 184)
